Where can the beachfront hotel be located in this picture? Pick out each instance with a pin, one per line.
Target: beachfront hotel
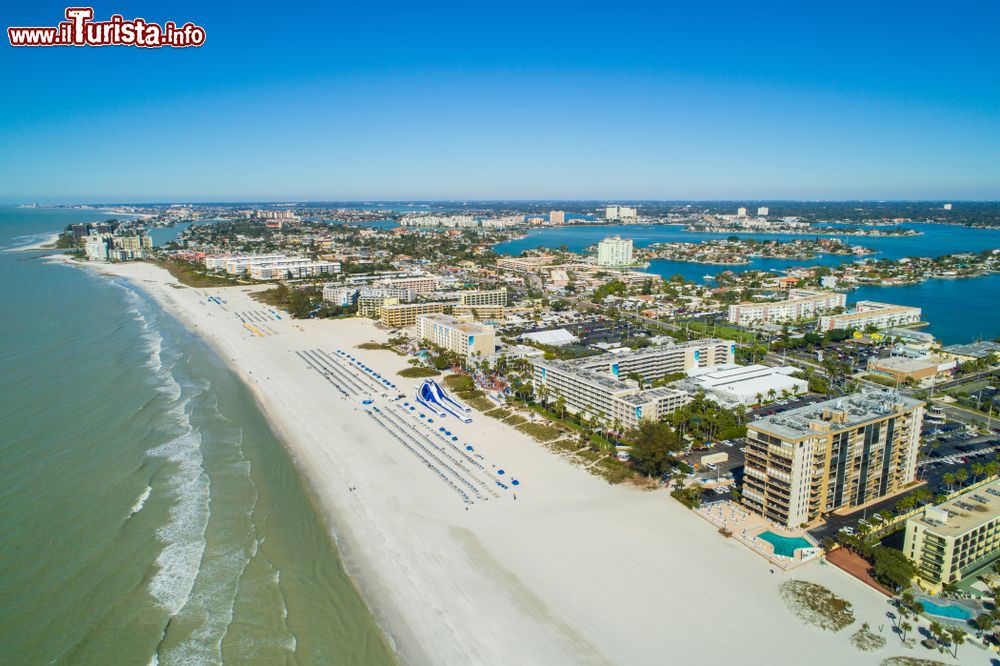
(600, 387)
(400, 315)
(293, 269)
(871, 313)
(954, 540)
(462, 337)
(806, 462)
(800, 304)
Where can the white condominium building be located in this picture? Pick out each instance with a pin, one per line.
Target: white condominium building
(462, 337)
(871, 313)
(806, 462)
(614, 251)
(240, 264)
(620, 213)
(800, 304)
(762, 211)
(600, 387)
(293, 269)
(111, 247)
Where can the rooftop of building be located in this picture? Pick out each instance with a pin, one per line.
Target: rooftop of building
(910, 334)
(963, 513)
(907, 364)
(872, 308)
(594, 377)
(839, 414)
(980, 349)
(457, 324)
(649, 395)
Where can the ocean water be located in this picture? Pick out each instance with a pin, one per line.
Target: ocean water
(148, 514)
(958, 310)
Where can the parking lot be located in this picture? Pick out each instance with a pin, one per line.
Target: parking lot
(948, 457)
(723, 471)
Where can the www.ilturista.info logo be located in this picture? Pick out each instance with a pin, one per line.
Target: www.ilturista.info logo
(79, 29)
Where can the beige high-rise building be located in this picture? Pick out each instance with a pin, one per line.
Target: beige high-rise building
(806, 462)
(398, 315)
(557, 217)
(462, 337)
(950, 541)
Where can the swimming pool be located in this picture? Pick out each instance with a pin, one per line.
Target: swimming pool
(785, 546)
(953, 611)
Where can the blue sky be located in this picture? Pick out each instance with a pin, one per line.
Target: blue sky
(528, 100)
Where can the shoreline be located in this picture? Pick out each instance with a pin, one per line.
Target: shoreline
(550, 577)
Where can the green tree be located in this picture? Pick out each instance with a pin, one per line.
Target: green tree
(893, 568)
(961, 475)
(957, 636)
(652, 447)
(299, 304)
(904, 628)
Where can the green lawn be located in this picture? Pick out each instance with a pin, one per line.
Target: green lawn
(418, 372)
(189, 274)
(540, 431)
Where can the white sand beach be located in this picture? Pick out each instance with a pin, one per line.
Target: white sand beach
(572, 571)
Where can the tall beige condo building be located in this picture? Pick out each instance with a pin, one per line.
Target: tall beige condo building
(557, 217)
(957, 538)
(806, 462)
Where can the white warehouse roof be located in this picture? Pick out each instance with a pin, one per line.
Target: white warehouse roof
(555, 338)
(740, 384)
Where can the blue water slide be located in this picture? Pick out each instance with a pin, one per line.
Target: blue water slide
(428, 396)
(445, 398)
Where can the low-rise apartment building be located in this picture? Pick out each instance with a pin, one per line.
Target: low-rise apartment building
(800, 304)
(281, 270)
(806, 462)
(955, 539)
(921, 371)
(462, 337)
(423, 284)
(480, 297)
(871, 313)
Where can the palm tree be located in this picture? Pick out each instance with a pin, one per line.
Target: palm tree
(904, 627)
(978, 470)
(961, 475)
(957, 636)
(560, 405)
(949, 479)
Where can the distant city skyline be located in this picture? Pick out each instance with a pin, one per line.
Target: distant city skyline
(544, 103)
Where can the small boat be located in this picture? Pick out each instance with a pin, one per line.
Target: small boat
(708, 277)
